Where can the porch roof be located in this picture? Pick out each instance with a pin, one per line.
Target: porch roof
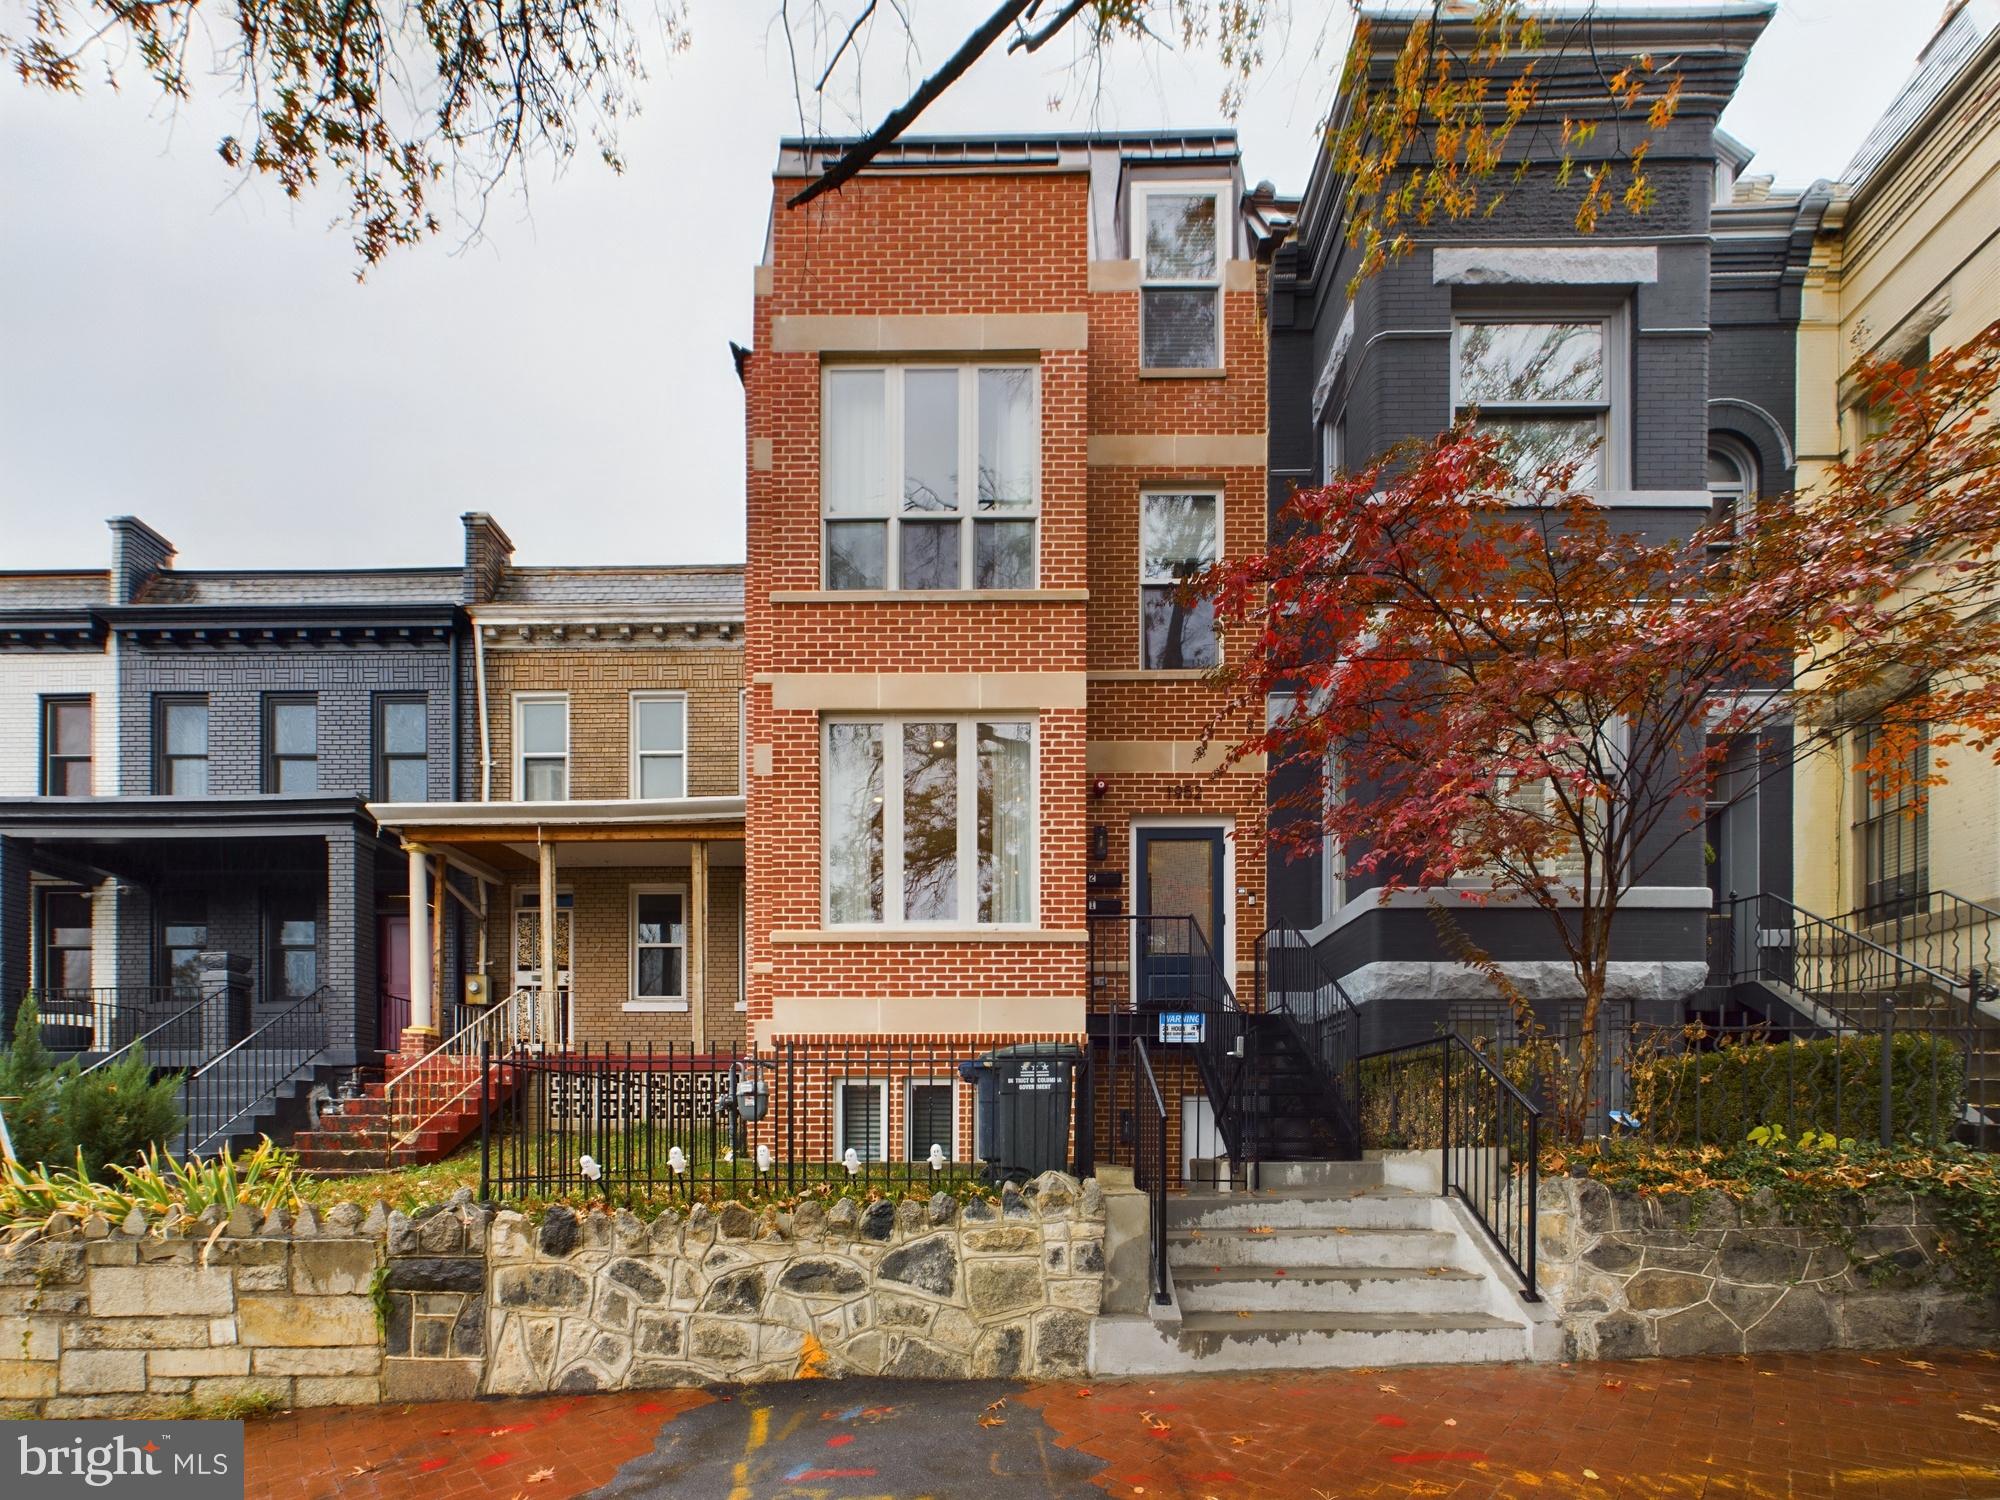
(121, 818)
(496, 830)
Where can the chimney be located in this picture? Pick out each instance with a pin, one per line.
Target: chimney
(488, 552)
(137, 553)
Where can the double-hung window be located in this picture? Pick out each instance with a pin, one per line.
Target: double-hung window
(294, 929)
(1895, 829)
(541, 738)
(1179, 536)
(1546, 389)
(659, 946)
(180, 742)
(1180, 275)
(402, 751)
(930, 476)
(929, 820)
(659, 744)
(66, 747)
(291, 744)
(66, 945)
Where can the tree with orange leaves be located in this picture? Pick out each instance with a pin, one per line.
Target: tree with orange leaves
(1513, 691)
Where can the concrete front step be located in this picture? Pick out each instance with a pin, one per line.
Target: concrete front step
(1330, 1289)
(1296, 1341)
(1312, 1245)
(1309, 1176)
(1377, 1208)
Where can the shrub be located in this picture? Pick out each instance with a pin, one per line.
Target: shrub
(262, 1178)
(57, 1111)
(1830, 1085)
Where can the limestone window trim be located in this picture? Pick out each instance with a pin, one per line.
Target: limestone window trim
(1165, 280)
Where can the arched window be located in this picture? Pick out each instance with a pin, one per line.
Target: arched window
(1732, 479)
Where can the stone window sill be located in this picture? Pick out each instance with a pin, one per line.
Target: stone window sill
(929, 935)
(930, 596)
(1205, 372)
(660, 1007)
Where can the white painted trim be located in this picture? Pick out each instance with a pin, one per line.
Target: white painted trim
(1224, 194)
(636, 1000)
(1614, 448)
(1545, 265)
(633, 749)
(520, 701)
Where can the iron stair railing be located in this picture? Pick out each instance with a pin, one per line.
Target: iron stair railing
(202, 1024)
(435, 1083)
(236, 1083)
(1149, 1165)
(1294, 984)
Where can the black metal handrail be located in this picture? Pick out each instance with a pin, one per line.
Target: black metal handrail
(238, 1080)
(1446, 1095)
(1149, 1158)
(86, 1018)
(1293, 982)
(202, 1024)
(1772, 940)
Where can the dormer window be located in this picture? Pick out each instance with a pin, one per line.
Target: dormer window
(1181, 248)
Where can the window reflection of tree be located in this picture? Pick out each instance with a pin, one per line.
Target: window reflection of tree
(930, 822)
(854, 811)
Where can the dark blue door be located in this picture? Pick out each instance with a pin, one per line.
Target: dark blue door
(1179, 877)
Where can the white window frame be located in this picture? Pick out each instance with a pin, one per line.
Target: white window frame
(1224, 194)
(840, 1088)
(1741, 496)
(1147, 493)
(635, 1000)
(968, 820)
(521, 756)
(638, 754)
(1614, 447)
(910, 1147)
(968, 514)
(1330, 444)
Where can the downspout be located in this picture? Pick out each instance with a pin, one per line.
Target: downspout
(479, 691)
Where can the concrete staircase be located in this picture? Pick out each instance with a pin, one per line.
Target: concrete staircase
(1326, 1265)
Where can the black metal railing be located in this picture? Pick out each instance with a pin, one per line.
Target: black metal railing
(1159, 974)
(1944, 933)
(107, 1017)
(193, 1028)
(1447, 1096)
(1149, 1164)
(226, 1094)
(671, 1122)
(1820, 965)
(1294, 983)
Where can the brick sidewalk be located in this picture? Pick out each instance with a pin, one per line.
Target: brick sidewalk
(1774, 1427)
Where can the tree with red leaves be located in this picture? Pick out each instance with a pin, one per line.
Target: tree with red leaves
(1514, 692)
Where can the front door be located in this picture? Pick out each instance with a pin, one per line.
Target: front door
(1180, 875)
(392, 960)
(528, 959)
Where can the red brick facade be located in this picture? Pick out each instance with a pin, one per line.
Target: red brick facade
(969, 265)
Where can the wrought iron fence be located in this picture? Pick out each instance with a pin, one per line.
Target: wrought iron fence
(1445, 1095)
(1294, 984)
(195, 1026)
(638, 1125)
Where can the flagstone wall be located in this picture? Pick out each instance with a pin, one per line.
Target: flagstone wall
(1673, 1275)
(455, 1301)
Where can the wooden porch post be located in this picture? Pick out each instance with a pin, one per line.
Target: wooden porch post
(421, 1018)
(550, 996)
(697, 940)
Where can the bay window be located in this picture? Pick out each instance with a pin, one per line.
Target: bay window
(929, 820)
(1180, 276)
(1546, 389)
(930, 476)
(1179, 537)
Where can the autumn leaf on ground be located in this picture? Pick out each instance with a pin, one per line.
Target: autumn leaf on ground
(1969, 1416)
(1614, 1385)
(1242, 1312)
(1340, 1229)
(1239, 1440)
(1590, 1473)
(1262, 1229)
(1451, 1421)
(1083, 1390)
(990, 1420)
(1389, 1389)
(1155, 1423)
(1919, 1364)
(541, 1476)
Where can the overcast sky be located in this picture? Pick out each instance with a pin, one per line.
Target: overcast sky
(202, 357)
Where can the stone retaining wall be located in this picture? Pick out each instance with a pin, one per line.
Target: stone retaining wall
(455, 1301)
(1673, 1275)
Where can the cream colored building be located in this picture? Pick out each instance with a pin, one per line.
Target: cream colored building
(1906, 262)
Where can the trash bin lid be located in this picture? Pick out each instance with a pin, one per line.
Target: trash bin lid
(1056, 1051)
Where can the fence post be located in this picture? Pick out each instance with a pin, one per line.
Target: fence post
(485, 1079)
(1888, 1103)
(1444, 1116)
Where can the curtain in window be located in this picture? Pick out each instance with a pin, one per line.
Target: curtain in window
(1006, 822)
(1008, 438)
(854, 479)
(853, 822)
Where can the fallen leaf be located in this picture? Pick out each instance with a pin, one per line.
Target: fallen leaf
(1590, 1473)
(1340, 1229)
(1083, 1390)
(1278, 1272)
(1614, 1385)
(1155, 1423)
(996, 1405)
(1242, 1312)
(1239, 1440)
(1918, 1364)
(1390, 1389)
(541, 1476)
(1262, 1229)
(1451, 1421)
(991, 1421)
(1968, 1416)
